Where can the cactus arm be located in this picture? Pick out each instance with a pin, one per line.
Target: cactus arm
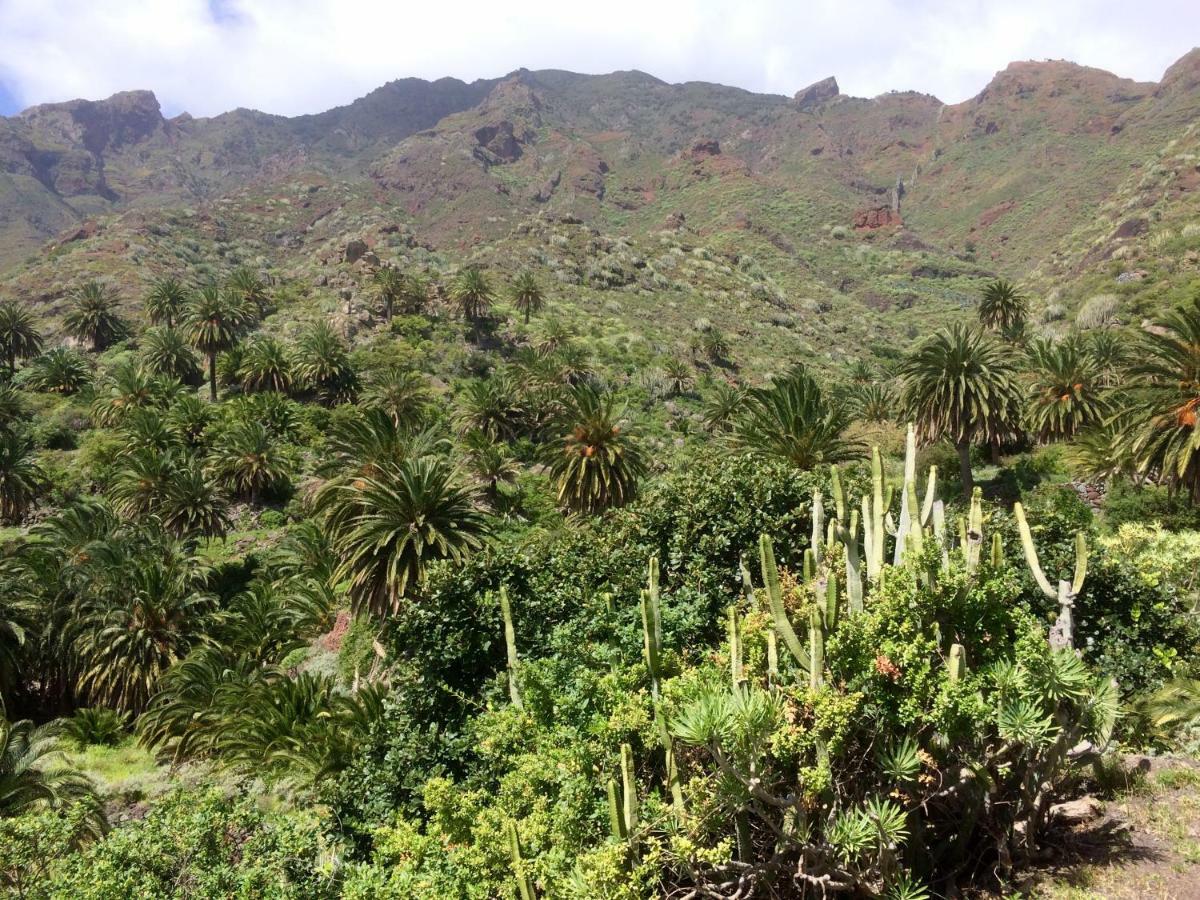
(997, 550)
(831, 602)
(818, 522)
(1081, 562)
(524, 883)
(775, 594)
(510, 642)
(958, 662)
(735, 647)
(930, 497)
(877, 510)
(816, 649)
(630, 789)
(868, 538)
(650, 644)
(974, 533)
(772, 658)
(854, 587)
(747, 582)
(809, 568)
(839, 498)
(673, 780)
(1031, 558)
(616, 818)
(908, 506)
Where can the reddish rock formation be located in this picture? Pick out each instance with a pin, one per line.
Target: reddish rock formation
(879, 217)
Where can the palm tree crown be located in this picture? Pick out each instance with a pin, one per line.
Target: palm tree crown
(165, 301)
(527, 295)
(473, 293)
(93, 317)
(1065, 390)
(596, 464)
(960, 385)
(215, 320)
(19, 338)
(1002, 307)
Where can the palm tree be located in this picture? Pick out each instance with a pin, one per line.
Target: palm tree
(93, 317)
(192, 505)
(266, 365)
(1109, 350)
(389, 287)
(214, 322)
(388, 526)
(1065, 390)
(19, 338)
(960, 385)
(473, 293)
(493, 406)
(142, 618)
(246, 286)
(721, 405)
(32, 775)
(129, 386)
(323, 364)
(596, 464)
(793, 421)
(403, 394)
(1002, 307)
(165, 301)
(21, 477)
(247, 461)
(12, 406)
(142, 482)
(527, 295)
(187, 419)
(60, 371)
(1164, 401)
(165, 351)
(873, 402)
(490, 463)
(556, 335)
(679, 376)
(414, 293)
(714, 345)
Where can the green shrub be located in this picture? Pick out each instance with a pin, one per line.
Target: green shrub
(95, 726)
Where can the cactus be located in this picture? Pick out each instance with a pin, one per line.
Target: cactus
(735, 647)
(524, 882)
(930, 497)
(1063, 633)
(839, 498)
(783, 627)
(616, 817)
(997, 550)
(816, 649)
(972, 536)
(958, 662)
(908, 496)
(818, 522)
(510, 641)
(673, 781)
(873, 516)
(772, 659)
(652, 628)
(809, 566)
(741, 826)
(854, 585)
(629, 788)
(831, 602)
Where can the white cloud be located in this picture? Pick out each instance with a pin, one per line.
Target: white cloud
(294, 56)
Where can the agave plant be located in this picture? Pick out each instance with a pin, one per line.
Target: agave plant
(794, 421)
(166, 352)
(19, 337)
(390, 524)
(59, 371)
(527, 295)
(22, 478)
(596, 464)
(473, 293)
(1065, 393)
(93, 317)
(266, 365)
(165, 301)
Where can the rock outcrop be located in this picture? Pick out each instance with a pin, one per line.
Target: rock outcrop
(818, 92)
(879, 217)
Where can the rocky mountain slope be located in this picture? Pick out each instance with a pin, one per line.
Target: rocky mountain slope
(826, 213)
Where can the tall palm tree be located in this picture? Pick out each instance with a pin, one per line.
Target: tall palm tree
(960, 385)
(93, 317)
(473, 293)
(794, 421)
(1065, 392)
(214, 322)
(21, 477)
(1164, 401)
(527, 295)
(19, 337)
(60, 371)
(165, 301)
(388, 526)
(1002, 307)
(389, 288)
(166, 351)
(322, 362)
(266, 365)
(596, 464)
(248, 462)
(414, 292)
(32, 774)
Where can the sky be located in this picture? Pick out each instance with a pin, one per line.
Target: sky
(300, 56)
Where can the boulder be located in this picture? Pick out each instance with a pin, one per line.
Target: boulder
(879, 217)
(1077, 812)
(817, 92)
(354, 251)
(708, 147)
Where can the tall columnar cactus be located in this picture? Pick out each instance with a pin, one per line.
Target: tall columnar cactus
(525, 884)
(831, 602)
(652, 628)
(873, 518)
(972, 537)
(783, 628)
(735, 647)
(816, 649)
(629, 808)
(997, 550)
(908, 496)
(818, 524)
(854, 585)
(1063, 633)
(958, 662)
(510, 642)
(674, 783)
(839, 498)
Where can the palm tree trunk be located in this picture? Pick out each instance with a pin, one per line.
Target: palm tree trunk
(964, 468)
(212, 377)
(527, 315)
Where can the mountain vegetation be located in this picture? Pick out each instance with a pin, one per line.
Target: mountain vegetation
(585, 487)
